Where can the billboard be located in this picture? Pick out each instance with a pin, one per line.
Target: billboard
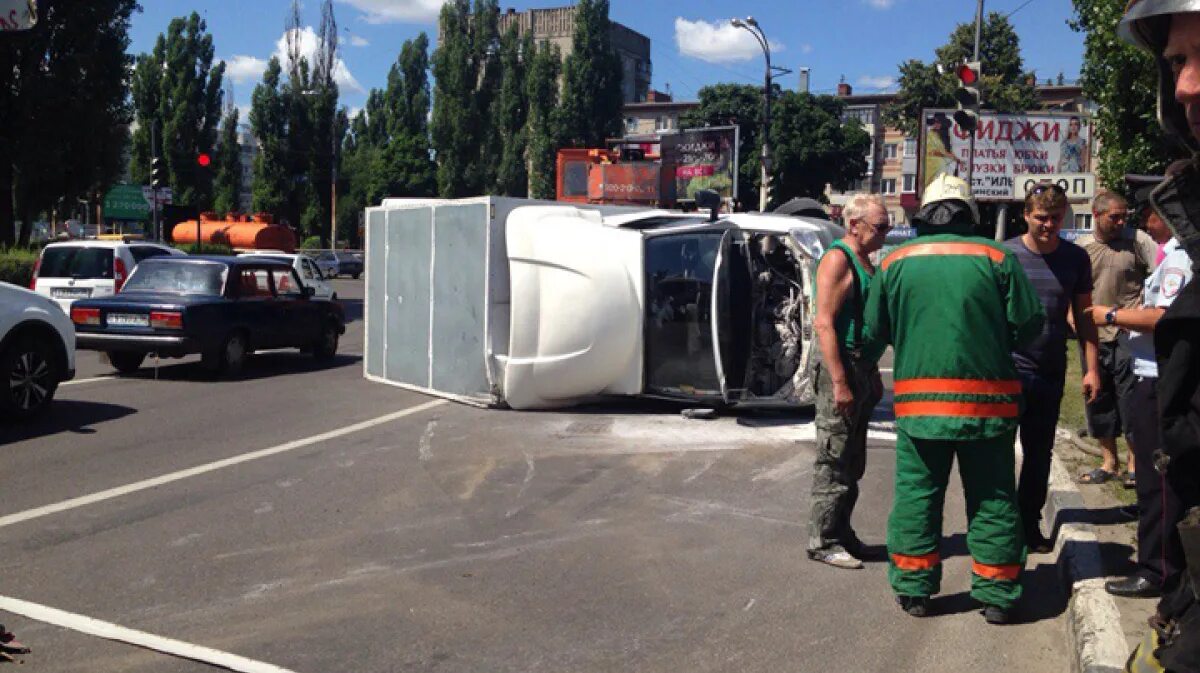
(1010, 149)
(702, 159)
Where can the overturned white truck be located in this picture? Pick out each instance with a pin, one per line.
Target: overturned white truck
(531, 304)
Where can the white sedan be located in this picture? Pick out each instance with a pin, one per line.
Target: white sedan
(306, 268)
(503, 302)
(37, 351)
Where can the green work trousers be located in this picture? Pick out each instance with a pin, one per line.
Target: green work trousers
(994, 536)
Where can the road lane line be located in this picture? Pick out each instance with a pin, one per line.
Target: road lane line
(75, 382)
(119, 491)
(109, 631)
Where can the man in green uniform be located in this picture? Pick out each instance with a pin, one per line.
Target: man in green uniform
(848, 385)
(954, 306)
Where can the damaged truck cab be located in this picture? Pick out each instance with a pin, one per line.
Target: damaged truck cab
(545, 305)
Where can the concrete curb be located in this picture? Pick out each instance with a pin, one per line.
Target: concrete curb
(1093, 622)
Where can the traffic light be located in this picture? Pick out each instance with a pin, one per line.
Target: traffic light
(203, 160)
(968, 97)
(158, 172)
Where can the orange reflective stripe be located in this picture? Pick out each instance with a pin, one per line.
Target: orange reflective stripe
(977, 409)
(996, 572)
(970, 386)
(926, 249)
(922, 562)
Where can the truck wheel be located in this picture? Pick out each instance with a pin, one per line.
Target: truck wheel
(29, 378)
(326, 348)
(126, 363)
(230, 358)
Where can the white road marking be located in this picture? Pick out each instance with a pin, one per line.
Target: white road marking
(76, 382)
(119, 491)
(95, 627)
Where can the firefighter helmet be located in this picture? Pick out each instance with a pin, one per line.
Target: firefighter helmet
(1146, 24)
(947, 202)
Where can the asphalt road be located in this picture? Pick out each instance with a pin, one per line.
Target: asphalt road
(384, 531)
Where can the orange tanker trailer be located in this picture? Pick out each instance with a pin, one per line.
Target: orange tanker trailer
(244, 232)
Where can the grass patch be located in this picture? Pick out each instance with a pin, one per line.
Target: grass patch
(16, 265)
(1072, 418)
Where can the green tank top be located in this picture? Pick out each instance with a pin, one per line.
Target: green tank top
(852, 307)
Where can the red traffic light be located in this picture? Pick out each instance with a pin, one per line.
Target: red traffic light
(967, 75)
(203, 159)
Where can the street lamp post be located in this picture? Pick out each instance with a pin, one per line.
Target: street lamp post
(751, 26)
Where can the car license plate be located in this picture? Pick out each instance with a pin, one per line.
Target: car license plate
(128, 320)
(70, 292)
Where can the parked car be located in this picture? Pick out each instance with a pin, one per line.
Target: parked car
(81, 269)
(327, 262)
(223, 308)
(37, 351)
(531, 306)
(310, 275)
(349, 263)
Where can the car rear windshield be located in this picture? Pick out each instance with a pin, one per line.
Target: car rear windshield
(76, 261)
(177, 278)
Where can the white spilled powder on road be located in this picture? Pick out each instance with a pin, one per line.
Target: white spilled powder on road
(145, 484)
(109, 631)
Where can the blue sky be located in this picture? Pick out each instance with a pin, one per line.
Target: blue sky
(692, 46)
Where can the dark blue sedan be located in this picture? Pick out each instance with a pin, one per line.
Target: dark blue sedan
(223, 308)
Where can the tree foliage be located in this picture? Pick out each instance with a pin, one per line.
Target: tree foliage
(511, 113)
(1121, 79)
(65, 106)
(1005, 86)
(268, 122)
(228, 186)
(811, 147)
(740, 105)
(178, 90)
(541, 90)
(590, 112)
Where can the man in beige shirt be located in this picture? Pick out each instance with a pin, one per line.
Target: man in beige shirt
(1122, 259)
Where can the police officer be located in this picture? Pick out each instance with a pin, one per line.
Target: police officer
(954, 305)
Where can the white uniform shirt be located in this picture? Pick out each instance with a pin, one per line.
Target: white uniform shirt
(1161, 289)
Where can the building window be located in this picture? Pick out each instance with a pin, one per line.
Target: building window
(631, 125)
(910, 183)
(662, 124)
(888, 185)
(1083, 221)
(889, 151)
(910, 147)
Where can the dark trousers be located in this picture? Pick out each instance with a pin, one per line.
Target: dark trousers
(1159, 552)
(1104, 416)
(1039, 418)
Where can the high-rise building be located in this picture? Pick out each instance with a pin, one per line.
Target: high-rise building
(557, 26)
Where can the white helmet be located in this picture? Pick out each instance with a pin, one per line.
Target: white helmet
(1146, 24)
(945, 199)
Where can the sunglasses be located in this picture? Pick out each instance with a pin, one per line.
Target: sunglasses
(1047, 186)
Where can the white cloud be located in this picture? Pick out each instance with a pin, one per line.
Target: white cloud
(806, 48)
(242, 68)
(398, 11)
(881, 4)
(877, 81)
(308, 49)
(356, 41)
(717, 42)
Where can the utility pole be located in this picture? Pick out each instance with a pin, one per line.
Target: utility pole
(751, 25)
(154, 182)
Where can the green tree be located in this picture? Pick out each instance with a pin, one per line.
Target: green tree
(590, 112)
(1121, 79)
(740, 105)
(512, 176)
(177, 88)
(65, 109)
(541, 90)
(812, 147)
(1005, 86)
(407, 167)
(268, 122)
(485, 48)
(228, 186)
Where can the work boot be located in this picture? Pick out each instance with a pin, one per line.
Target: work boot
(915, 606)
(838, 558)
(994, 614)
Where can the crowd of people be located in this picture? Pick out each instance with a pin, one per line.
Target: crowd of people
(979, 331)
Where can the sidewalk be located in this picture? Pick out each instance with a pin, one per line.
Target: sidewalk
(1095, 542)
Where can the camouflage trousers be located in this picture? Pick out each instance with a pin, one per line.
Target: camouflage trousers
(841, 455)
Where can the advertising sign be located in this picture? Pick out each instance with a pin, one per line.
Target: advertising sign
(1009, 149)
(703, 159)
(1080, 186)
(18, 14)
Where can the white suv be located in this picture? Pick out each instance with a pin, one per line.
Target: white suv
(78, 269)
(37, 351)
(307, 269)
